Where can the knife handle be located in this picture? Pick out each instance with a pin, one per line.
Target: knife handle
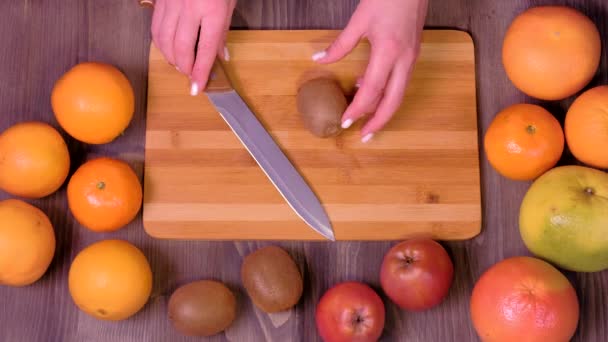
(218, 81)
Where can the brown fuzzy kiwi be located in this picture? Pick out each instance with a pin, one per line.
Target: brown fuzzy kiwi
(272, 279)
(202, 308)
(321, 103)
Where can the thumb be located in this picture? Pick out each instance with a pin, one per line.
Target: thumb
(344, 43)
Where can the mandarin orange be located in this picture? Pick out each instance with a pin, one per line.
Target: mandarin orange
(104, 194)
(523, 141)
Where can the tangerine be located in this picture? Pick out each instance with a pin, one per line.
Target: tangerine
(523, 141)
(104, 194)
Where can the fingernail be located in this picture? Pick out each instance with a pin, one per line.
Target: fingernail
(367, 137)
(226, 54)
(194, 89)
(177, 68)
(319, 55)
(357, 85)
(347, 123)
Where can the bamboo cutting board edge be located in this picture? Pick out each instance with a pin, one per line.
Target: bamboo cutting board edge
(187, 230)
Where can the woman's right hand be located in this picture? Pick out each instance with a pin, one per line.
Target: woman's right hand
(175, 26)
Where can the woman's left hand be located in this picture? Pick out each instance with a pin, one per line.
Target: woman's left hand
(393, 28)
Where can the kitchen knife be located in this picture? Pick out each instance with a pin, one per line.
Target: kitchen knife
(266, 152)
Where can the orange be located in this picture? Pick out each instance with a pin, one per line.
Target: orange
(551, 52)
(104, 194)
(27, 243)
(110, 280)
(523, 141)
(34, 160)
(524, 299)
(93, 102)
(586, 127)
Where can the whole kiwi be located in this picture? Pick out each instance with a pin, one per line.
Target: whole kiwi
(272, 279)
(202, 308)
(321, 103)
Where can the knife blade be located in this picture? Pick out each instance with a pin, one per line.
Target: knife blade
(265, 151)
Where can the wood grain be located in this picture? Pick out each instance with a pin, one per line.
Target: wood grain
(226, 196)
(42, 39)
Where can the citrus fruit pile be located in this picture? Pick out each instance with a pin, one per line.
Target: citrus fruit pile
(110, 279)
(549, 53)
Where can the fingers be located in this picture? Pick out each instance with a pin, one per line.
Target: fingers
(185, 41)
(343, 44)
(168, 27)
(392, 99)
(157, 19)
(211, 34)
(374, 81)
(223, 50)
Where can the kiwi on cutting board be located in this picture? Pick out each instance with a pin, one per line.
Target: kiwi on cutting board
(202, 308)
(321, 103)
(272, 279)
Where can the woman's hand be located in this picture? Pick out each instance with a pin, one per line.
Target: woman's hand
(175, 29)
(393, 28)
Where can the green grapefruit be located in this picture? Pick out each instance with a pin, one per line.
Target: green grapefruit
(564, 218)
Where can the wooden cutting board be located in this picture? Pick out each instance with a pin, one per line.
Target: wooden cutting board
(419, 176)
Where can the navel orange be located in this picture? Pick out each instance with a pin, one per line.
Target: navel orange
(523, 141)
(93, 102)
(586, 127)
(34, 160)
(551, 52)
(104, 194)
(27, 243)
(110, 280)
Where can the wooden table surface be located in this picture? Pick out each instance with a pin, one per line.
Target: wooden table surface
(40, 40)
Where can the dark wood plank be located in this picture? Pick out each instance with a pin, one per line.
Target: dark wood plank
(40, 40)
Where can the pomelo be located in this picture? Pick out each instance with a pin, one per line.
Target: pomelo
(564, 218)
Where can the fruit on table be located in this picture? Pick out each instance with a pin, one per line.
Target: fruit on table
(202, 308)
(93, 102)
(272, 279)
(104, 194)
(563, 218)
(321, 103)
(586, 127)
(523, 141)
(417, 274)
(350, 311)
(27, 243)
(524, 299)
(551, 52)
(34, 160)
(110, 280)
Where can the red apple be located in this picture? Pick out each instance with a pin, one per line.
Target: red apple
(350, 311)
(416, 274)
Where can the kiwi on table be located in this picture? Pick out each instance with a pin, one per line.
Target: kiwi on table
(272, 279)
(202, 308)
(321, 103)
